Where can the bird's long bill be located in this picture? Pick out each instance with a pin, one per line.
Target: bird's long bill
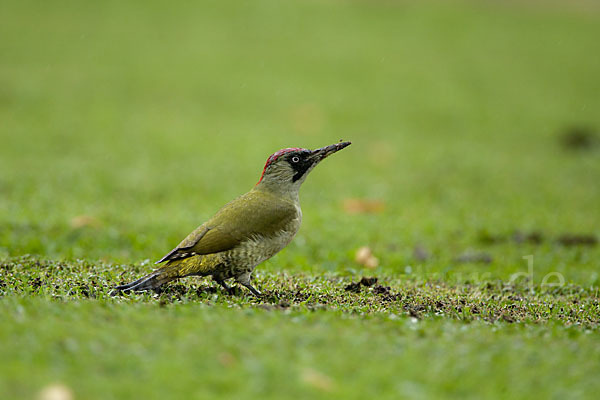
(323, 152)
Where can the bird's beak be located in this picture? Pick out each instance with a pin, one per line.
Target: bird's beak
(319, 154)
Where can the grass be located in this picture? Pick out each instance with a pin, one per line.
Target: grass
(126, 125)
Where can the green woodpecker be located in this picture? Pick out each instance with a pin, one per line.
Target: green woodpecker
(246, 231)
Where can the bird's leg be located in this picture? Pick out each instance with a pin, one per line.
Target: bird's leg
(252, 289)
(224, 285)
(244, 279)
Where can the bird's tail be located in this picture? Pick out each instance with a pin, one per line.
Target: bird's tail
(152, 281)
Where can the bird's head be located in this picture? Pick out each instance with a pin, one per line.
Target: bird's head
(286, 169)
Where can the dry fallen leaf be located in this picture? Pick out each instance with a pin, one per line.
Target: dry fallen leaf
(81, 221)
(56, 391)
(227, 359)
(362, 254)
(317, 379)
(365, 257)
(363, 206)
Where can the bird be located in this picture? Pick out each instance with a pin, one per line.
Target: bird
(246, 231)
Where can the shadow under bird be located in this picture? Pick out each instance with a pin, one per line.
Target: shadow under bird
(246, 231)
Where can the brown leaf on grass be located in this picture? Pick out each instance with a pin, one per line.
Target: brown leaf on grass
(317, 380)
(364, 256)
(363, 206)
(56, 391)
(82, 221)
(226, 359)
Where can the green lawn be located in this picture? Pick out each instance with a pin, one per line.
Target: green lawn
(475, 128)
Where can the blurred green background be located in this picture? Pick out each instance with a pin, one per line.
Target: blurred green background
(125, 124)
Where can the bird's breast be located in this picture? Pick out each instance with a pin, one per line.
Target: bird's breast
(275, 242)
(262, 247)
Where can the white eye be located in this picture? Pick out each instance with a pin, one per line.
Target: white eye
(295, 159)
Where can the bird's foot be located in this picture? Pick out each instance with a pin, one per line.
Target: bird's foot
(230, 290)
(253, 290)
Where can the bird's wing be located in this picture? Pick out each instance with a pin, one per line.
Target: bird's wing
(254, 214)
(183, 250)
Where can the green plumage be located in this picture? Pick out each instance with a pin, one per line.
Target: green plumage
(255, 213)
(247, 230)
